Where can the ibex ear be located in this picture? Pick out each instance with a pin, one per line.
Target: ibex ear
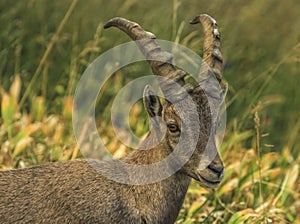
(151, 102)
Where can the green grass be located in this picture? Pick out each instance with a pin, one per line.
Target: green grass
(45, 47)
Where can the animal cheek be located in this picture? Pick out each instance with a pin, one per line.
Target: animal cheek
(173, 141)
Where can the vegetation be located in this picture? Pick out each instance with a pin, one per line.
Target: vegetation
(45, 47)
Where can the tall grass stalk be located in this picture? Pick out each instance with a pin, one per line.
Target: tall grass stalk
(48, 51)
(257, 145)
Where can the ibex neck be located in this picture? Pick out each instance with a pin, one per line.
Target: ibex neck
(150, 151)
(163, 197)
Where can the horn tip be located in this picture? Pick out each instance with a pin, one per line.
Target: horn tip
(204, 17)
(112, 22)
(196, 20)
(201, 18)
(107, 25)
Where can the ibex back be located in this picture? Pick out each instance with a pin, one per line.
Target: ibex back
(76, 192)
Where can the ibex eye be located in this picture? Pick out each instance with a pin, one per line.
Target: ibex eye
(173, 128)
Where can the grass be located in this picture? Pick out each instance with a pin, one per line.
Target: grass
(45, 47)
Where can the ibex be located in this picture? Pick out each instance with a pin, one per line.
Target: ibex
(76, 192)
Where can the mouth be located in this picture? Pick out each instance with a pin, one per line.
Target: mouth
(208, 178)
(208, 183)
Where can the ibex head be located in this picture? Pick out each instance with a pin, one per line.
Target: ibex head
(188, 106)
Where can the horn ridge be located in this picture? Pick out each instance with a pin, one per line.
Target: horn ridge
(160, 61)
(211, 49)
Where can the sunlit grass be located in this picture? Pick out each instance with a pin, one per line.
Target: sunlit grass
(44, 50)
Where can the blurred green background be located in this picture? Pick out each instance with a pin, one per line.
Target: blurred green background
(45, 46)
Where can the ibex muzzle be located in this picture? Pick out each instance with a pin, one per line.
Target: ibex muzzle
(75, 192)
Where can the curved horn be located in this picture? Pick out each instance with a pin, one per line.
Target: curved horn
(160, 61)
(132, 29)
(211, 49)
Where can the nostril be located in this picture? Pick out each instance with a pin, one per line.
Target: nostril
(217, 168)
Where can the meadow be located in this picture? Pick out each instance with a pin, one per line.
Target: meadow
(45, 46)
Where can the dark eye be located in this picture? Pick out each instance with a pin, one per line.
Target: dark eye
(173, 128)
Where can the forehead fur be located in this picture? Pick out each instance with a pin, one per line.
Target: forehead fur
(187, 112)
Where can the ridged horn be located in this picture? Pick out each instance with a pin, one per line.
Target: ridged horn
(211, 49)
(160, 61)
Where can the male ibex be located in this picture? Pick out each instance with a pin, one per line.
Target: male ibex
(75, 192)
